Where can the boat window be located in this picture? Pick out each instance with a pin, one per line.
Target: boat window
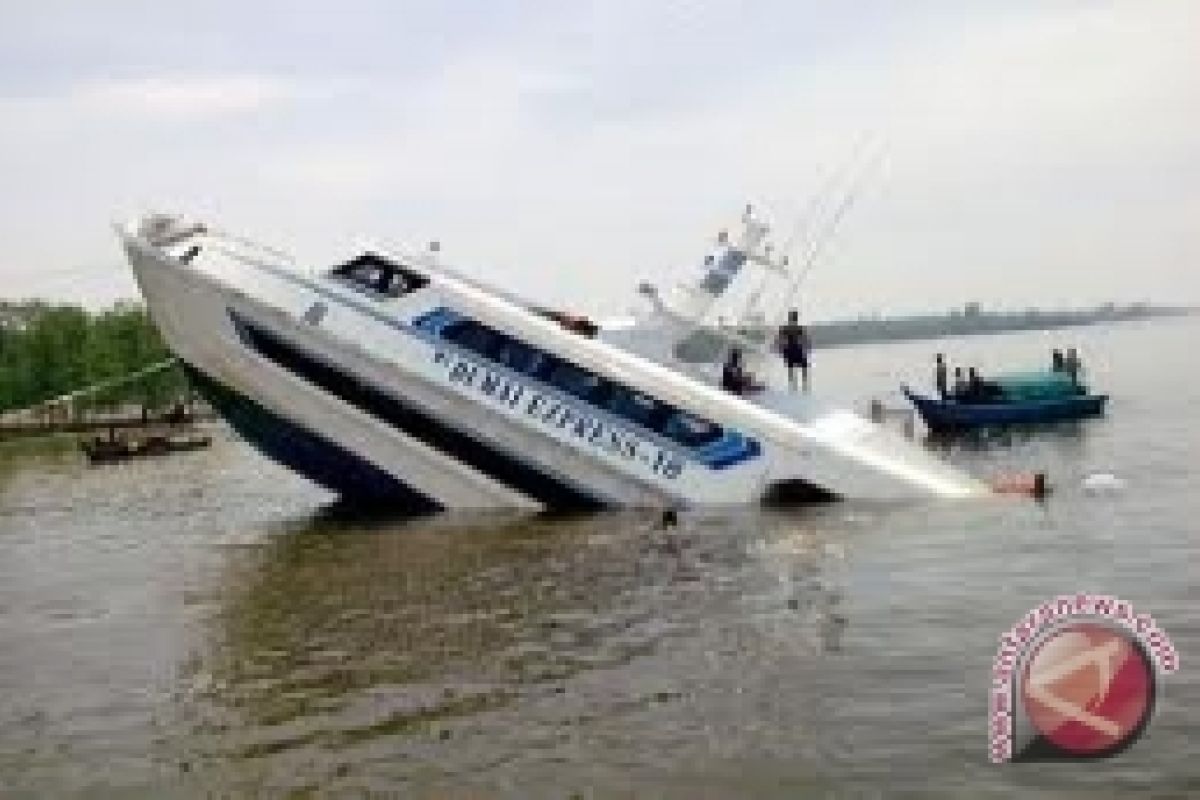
(635, 406)
(190, 254)
(472, 336)
(517, 356)
(690, 431)
(575, 380)
(405, 280)
(719, 277)
(368, 276)
(380, 277)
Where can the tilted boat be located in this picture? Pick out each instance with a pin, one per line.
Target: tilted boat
(391, 377)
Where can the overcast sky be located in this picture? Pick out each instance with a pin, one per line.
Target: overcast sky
(1032, 152)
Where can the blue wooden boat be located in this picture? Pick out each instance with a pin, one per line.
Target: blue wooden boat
(951, 415)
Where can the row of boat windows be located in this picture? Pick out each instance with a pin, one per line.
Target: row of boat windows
(637, 407)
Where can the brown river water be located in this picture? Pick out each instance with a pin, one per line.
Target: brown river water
(208, 624)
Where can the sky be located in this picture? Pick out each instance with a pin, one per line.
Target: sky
(1023, 152)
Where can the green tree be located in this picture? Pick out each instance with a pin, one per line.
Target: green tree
(50, 350)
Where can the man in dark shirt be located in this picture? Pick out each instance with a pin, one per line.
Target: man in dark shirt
(980, 390)
(793, 345)
(939, 376)
(1072, 365)
(734, 377)
(960, 384)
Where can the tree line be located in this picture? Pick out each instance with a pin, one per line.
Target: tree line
(48, 350)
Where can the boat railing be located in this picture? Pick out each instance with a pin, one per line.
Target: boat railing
(250, 244)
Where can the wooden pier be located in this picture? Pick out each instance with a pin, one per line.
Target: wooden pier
(76, 412)
(90, 423)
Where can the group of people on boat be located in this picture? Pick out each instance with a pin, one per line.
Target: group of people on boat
(970, 387)
(1068, 362)
(793, 345)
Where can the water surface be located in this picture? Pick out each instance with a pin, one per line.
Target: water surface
(210, 624)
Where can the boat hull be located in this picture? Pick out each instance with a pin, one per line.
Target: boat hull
(310, 454)
(947, 416)
(447, 453)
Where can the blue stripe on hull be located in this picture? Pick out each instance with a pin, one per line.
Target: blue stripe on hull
(730, 449)
(309, 454)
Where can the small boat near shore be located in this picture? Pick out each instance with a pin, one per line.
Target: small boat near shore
(114, 449)
(943, 416)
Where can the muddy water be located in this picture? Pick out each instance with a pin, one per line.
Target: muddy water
(210, 624)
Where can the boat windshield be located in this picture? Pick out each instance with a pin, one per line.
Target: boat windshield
(377, 276)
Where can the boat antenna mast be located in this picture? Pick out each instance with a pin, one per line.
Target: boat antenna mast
(817, 244)
(805, 233)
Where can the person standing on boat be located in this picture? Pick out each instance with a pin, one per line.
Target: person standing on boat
(960, 384)
(980, 390)
(793, 345)
(1057, 363)
(1072, 365)
(939, 376)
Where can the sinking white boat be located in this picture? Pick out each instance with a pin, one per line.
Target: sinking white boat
(390, 377)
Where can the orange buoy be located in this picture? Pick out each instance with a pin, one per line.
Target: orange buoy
(1030, 484)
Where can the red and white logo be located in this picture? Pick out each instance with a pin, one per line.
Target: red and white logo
(1075, 679)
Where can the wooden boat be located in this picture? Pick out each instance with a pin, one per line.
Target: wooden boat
(113, 449)
(952, 415)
